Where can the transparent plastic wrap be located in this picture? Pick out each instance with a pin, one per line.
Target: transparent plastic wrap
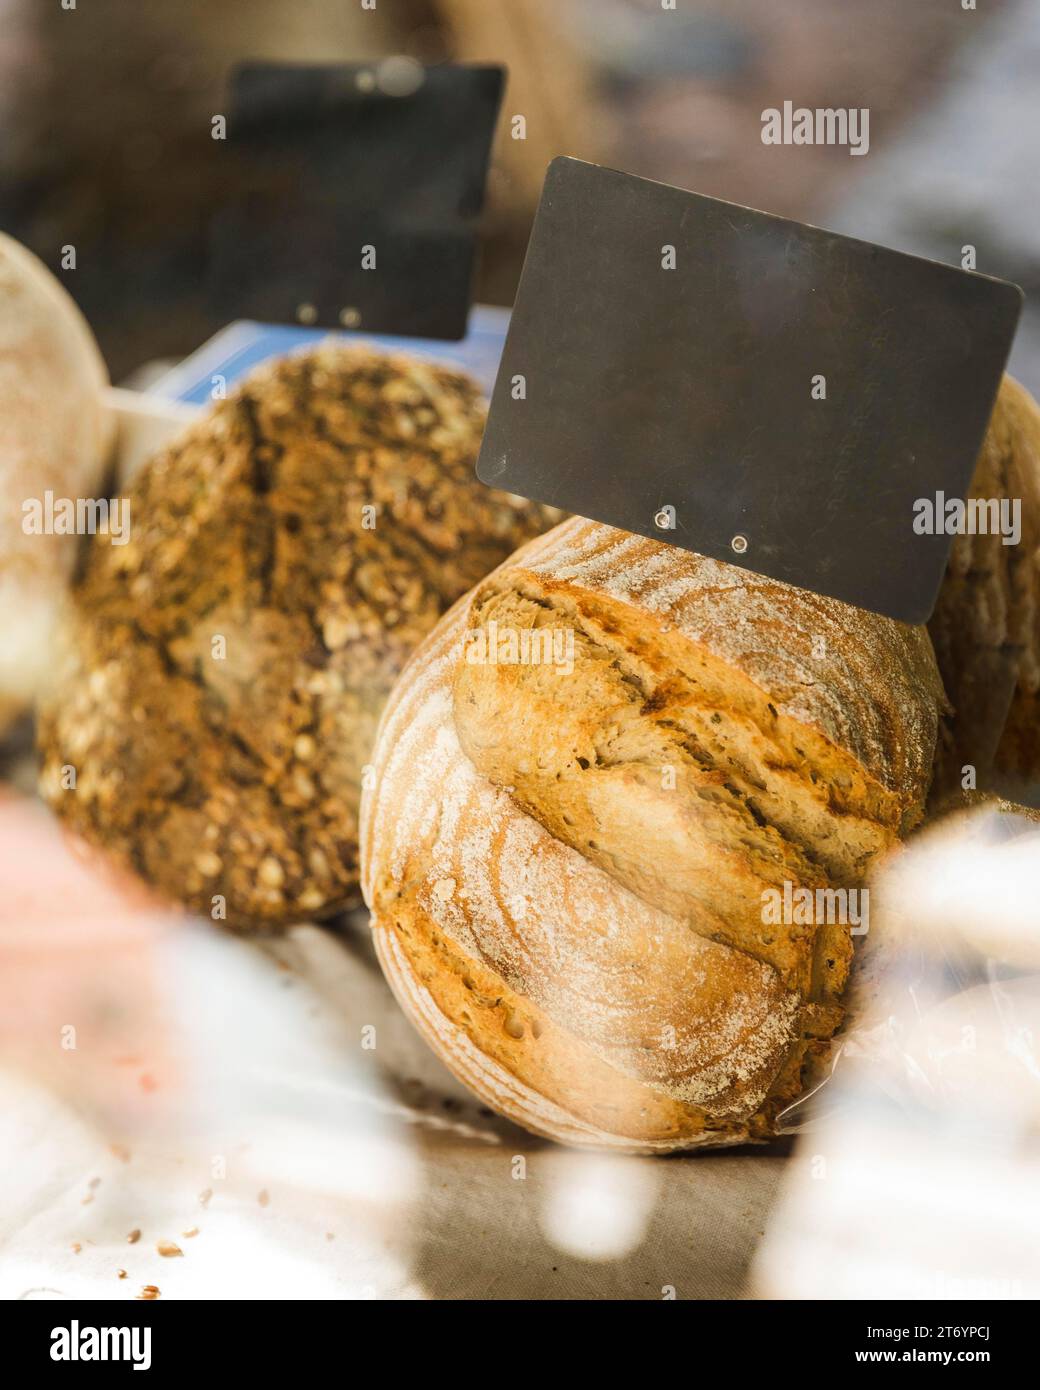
(918, 1170)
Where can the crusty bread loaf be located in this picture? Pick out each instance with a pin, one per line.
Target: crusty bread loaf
(55, 436)
(986, 624)
(222, 674)
(566, 869)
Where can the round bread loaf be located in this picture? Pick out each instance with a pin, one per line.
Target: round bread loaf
(55, 436)
(222, 673)
(587, 781)
(986, 624)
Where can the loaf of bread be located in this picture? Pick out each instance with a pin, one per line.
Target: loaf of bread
(586, 782)
(986, 624)
(55, 437)
(217, 690)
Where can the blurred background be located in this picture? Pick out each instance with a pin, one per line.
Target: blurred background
(105, 117)
(280, 1155)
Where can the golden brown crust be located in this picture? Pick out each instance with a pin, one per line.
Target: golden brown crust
(986, 624)
(525, 954)
(225, 670)
(519, 825)
(500, 1041)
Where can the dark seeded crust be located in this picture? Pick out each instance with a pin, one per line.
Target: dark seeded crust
(986, 624)
(239, 775)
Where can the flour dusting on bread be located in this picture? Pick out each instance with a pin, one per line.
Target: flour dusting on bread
(566, 870)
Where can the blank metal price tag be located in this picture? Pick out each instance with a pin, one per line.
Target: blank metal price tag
(759, 391)
(353, 194)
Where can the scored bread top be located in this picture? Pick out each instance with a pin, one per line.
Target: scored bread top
(598, 833)
(752, 734)
(868, 683)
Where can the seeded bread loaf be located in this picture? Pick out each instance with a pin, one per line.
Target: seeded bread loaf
(222, 674)
(986, 624)
(566, 858)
